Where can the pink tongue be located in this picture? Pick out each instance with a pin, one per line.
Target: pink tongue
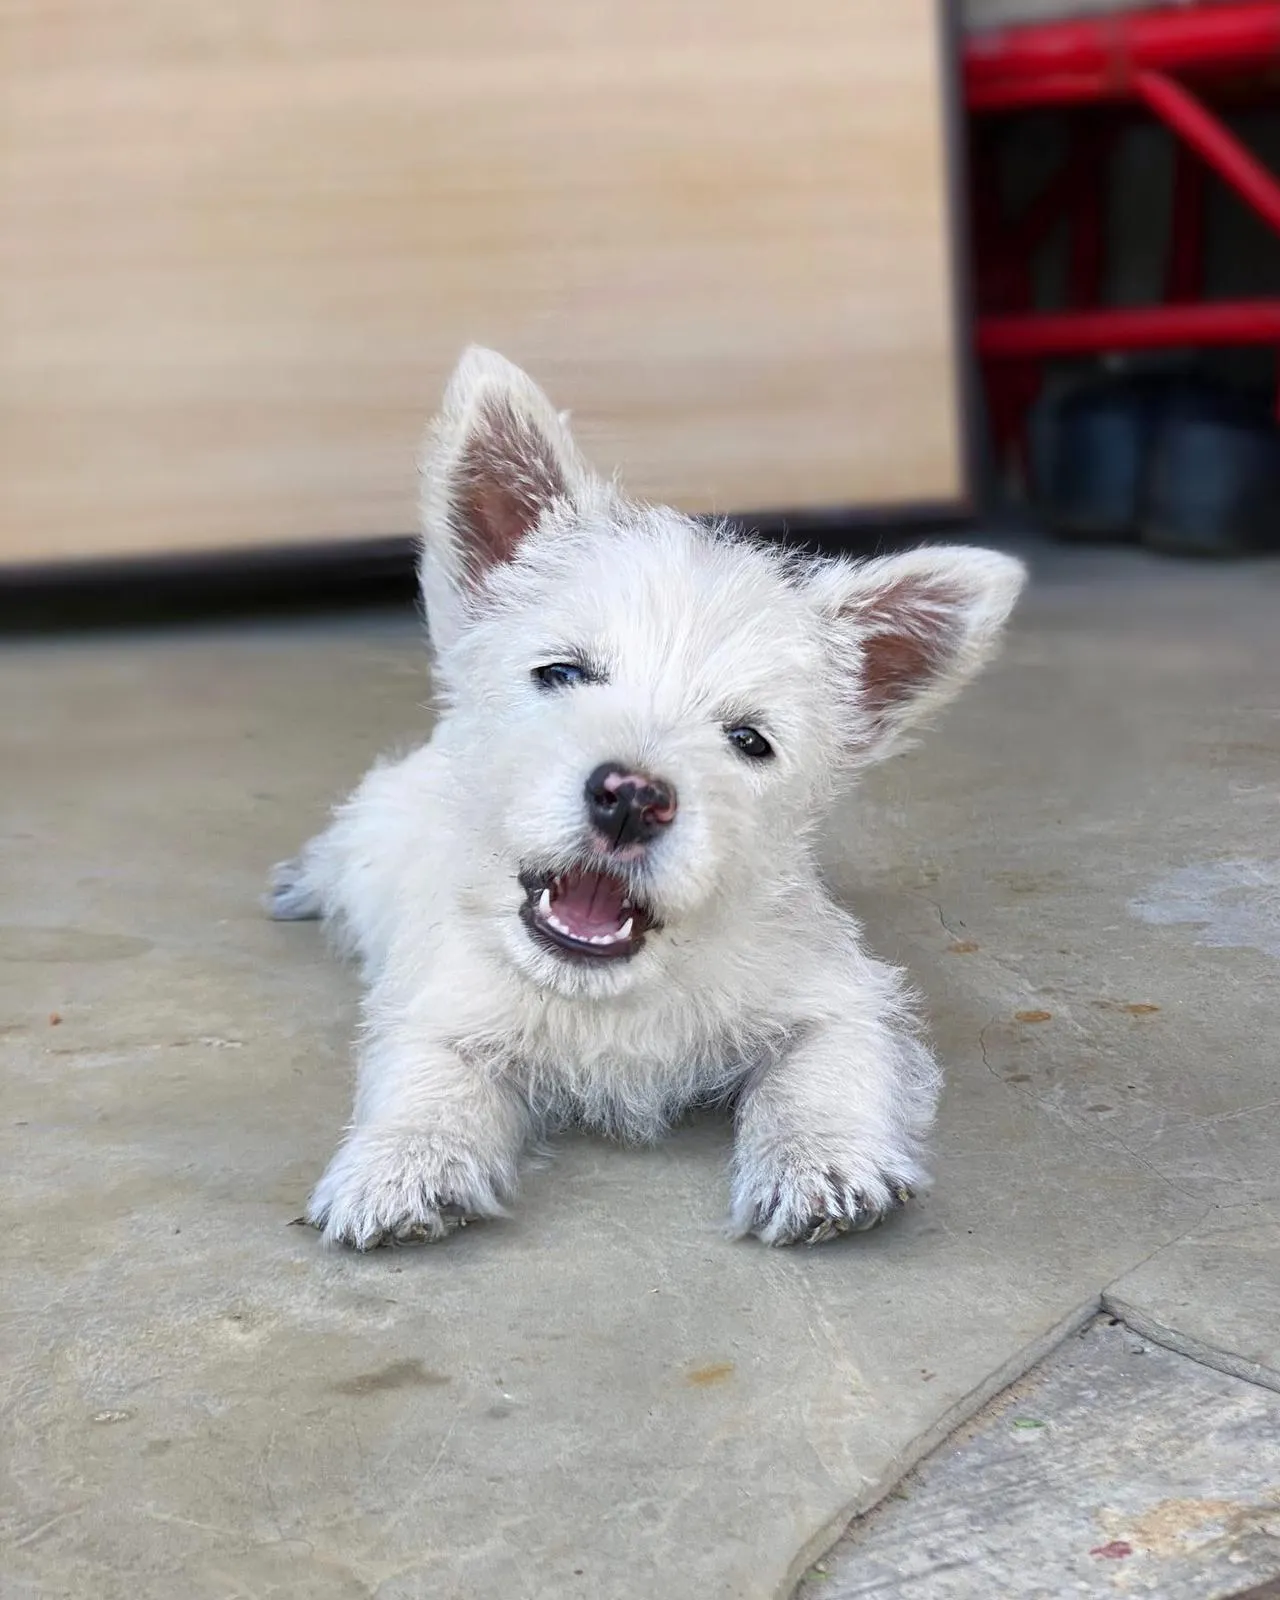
(588, 904)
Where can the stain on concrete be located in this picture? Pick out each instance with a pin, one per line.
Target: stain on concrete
(1233, 905)
(396, 1375)
(1116, 1550)
(706, 1377)
(1180, 1527)
(1029, 882)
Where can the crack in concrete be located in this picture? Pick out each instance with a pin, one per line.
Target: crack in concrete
(999, 961)
(946, 926)
(986, 1059)
(1168, 1244)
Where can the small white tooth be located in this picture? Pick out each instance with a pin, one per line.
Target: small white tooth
(624, 932)
(554, 921)
(544, 903)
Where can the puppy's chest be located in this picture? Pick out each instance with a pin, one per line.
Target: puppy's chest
(626, 1085)
(577, 1044)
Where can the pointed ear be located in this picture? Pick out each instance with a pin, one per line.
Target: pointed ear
(496, 458)
(910, 631)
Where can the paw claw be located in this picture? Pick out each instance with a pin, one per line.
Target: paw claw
(444, 1218)
(380, 1191)
(824, 1206)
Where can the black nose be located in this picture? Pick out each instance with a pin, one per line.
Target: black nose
(629, 807)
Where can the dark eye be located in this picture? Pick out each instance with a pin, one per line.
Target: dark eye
(750, 743)
(560, 675)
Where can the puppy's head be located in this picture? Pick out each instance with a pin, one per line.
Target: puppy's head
(648, 716)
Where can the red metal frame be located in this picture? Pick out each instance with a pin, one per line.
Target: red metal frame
(1121, 58)
(1058, 63)
(1216, 145)
(1067, 333)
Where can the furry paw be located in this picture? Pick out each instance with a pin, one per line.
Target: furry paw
(289, 896)
(383, 1189)
(799, 1205)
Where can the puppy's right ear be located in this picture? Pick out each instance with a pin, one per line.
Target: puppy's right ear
(496, 458)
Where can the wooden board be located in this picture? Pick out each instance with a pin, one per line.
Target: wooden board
(243, 243)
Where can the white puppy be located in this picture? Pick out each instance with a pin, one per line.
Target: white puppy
(593, 895)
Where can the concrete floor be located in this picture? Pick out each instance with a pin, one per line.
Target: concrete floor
(1113, 1467)
(604, 1397)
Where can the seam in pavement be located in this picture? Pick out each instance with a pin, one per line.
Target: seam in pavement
(1147, 1327)
(1017, 1367)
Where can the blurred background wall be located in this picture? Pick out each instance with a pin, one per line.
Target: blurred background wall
(244, 242)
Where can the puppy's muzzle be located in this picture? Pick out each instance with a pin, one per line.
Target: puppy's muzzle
(628, 808)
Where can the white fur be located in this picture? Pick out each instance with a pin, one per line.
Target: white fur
(755, 989)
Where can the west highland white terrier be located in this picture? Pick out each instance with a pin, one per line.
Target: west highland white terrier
(592, 897)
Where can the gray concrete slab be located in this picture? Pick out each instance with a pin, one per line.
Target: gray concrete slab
(604, 1395)
(1115, 1467)
(1212, 1293)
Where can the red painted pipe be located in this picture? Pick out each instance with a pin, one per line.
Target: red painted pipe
(1226, 322)
(1209, 139)
(1201, 37)
(1022, 94)
(1063, 62)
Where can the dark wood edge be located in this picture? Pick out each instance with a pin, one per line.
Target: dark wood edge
(146, 590)
(267, 564)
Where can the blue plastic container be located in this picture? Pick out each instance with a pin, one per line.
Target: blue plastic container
(1214, 487)
(1093, 448)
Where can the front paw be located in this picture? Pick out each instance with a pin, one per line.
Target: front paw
(290, 896)
(400, 1189)
(789, 1199)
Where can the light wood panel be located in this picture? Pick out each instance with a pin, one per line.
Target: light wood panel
(244, 242)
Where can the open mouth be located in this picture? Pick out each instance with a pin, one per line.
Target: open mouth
(585, 912)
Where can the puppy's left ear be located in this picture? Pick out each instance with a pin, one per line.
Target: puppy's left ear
(908, 632)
